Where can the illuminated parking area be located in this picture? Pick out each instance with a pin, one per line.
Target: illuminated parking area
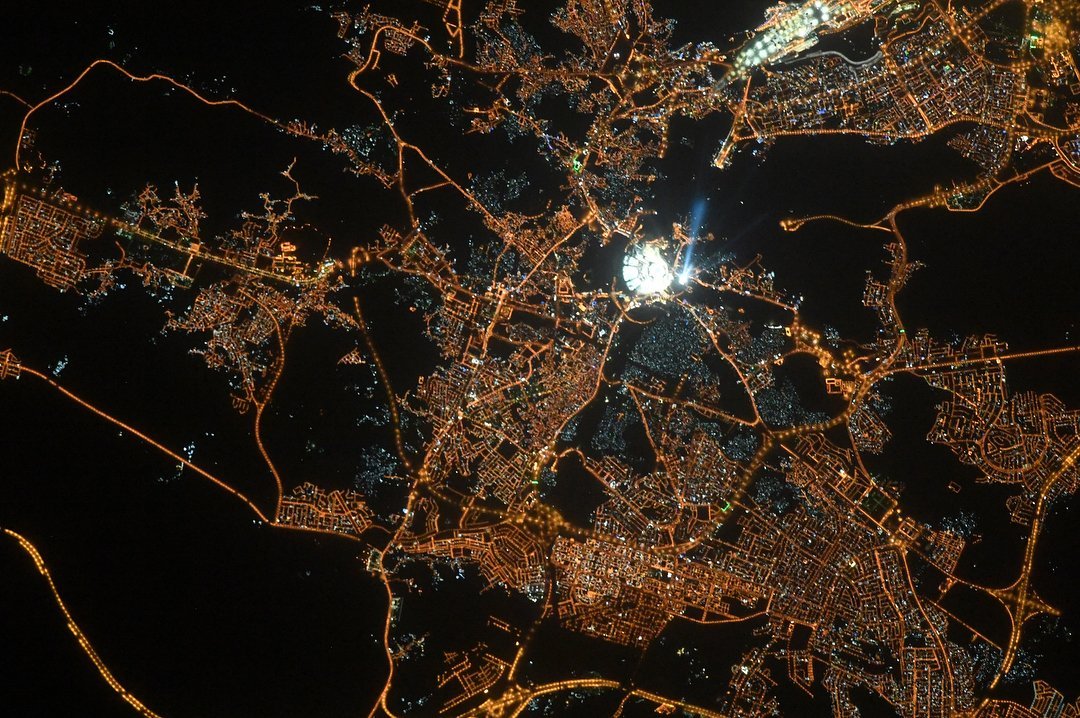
(791, 29)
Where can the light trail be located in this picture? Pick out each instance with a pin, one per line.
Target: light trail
(137, 78)
(160, 447)
(84, 642)
(826, 53)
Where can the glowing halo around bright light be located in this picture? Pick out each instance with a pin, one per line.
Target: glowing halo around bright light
(645, 270)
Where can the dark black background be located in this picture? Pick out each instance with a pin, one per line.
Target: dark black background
(200, 612)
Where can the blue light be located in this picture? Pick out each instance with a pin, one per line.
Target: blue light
(697, 216)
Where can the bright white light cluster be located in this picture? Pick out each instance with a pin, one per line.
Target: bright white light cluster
(645, 270)
(788, 34)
